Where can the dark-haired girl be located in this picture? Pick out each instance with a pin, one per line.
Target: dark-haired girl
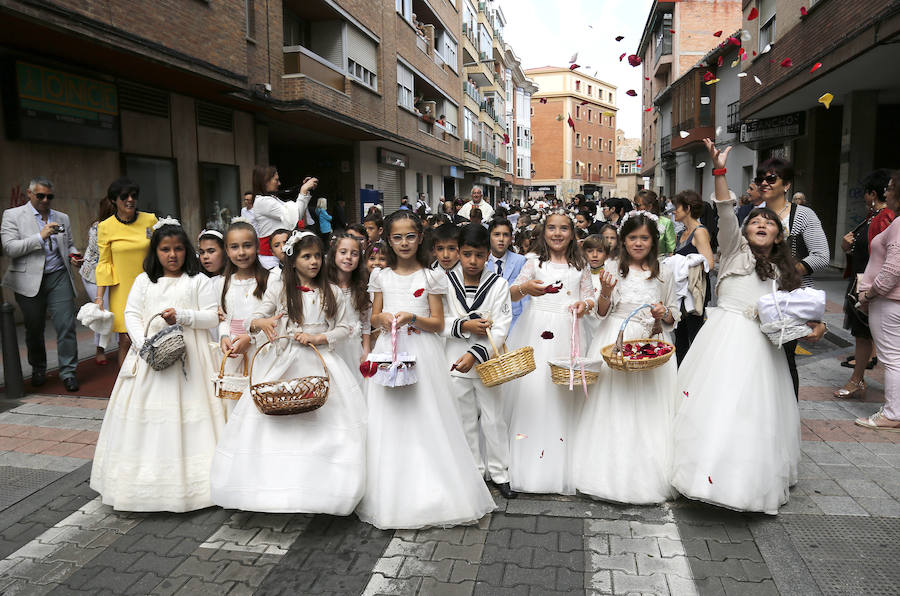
(623, 448)
(211, 252)
(420, 469)
(737, 436)
(558, 279)
(306, 463)
(345, 268)
(161, 427)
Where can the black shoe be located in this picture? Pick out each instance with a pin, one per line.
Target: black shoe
(505, 491)
(38, 378)
(71, 384)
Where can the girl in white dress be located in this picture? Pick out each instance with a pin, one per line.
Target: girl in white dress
(623, 449)
(240, 295)
(542, 416)
(346, 269)
(420, 469)
(271, 213)
(303, 463)
(160, 428)
(737, 436)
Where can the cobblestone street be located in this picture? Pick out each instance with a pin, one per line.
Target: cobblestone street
(838, 534)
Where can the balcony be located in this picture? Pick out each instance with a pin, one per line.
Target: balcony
(733, 122)
(665, 146)
(489, 109)
(662, 51)
(472, 148)
(301, 61)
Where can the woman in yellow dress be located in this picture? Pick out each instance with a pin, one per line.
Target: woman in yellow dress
(123, 240)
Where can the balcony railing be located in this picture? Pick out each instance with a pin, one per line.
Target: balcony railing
(472, 147)
(663, 41)
(469, 31)
(734, 117)
(489, 108)
(472, 91)
(665, 144)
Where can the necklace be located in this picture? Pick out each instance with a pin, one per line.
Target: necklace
(126, 222)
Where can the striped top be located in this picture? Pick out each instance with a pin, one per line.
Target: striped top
(808, 242)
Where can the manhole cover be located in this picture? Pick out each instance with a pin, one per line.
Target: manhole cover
(18, 483)
(848, 555)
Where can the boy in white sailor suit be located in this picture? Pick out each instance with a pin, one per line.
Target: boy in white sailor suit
(476, 300)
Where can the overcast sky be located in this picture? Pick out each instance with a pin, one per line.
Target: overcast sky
(548, 32)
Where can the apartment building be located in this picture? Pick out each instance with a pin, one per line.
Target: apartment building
(676, 36)
(628, 166)
(186, 97)
(573, 159)
(834, 110)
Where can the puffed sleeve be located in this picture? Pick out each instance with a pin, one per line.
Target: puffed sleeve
(342, 325)
(586, 284)
(375, 280)
(206, 315)
(365, 321)
(528, 271)
(436, 281)
(134, 310)
(105, 273)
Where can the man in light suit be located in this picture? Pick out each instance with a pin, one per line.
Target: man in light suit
(38, 242)
(503, 261)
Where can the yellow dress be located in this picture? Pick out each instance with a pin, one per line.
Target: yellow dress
(123, 248)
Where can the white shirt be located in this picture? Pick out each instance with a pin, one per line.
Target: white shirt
(487, 212)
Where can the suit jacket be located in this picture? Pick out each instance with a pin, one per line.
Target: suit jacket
(21, 238)
(511, 270)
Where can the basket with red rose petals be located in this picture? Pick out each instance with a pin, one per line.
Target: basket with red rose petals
(505, 366)
(637, 354)
(290, 396)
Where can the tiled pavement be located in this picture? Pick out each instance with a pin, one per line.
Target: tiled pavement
(839, 534)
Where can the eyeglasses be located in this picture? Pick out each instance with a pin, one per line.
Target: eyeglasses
(398, 238)
(132, 193)
(41, 196)
(769, 179)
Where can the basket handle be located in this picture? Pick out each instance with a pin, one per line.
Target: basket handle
(620, 339)
(493, 345)
(259, 349)
(225, 359)
(150, 320)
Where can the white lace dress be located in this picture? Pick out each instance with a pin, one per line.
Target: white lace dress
(541, 415)
(313, 462)
(350, 350)
(623, 449)
(161, 427)
(420, 468)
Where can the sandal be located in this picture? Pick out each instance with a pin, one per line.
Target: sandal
(852, 390)
(878, 421)
(851, 363)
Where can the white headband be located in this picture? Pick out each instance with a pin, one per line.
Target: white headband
(296, 237)
(166, 221)
(240, 219)
(215, 233)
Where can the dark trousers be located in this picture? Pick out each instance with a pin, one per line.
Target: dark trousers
(688, 328)
(57, 296)
(790, 351)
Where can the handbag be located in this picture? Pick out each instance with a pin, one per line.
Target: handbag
(853, 301)
(164, 348)
(395, 369)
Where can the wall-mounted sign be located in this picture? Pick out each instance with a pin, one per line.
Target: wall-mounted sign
(61, 107)
(390, 158)
(788, 125)
(454, 172)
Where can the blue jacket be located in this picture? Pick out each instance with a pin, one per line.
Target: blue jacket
(512, 266)
(324, 221)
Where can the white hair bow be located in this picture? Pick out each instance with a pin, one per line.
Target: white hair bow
(296, 237)
(166, 221)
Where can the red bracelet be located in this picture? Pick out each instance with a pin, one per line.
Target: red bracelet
(719, 172)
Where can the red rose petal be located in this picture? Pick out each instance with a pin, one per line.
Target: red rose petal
(671, 31)
(787, 63)
(543, 100)
(648, 109)
(708, 76)
(710, 477)
(573, 66)
(542, 454)
(620, 37)
(419, 292)
(547, 335)
(734, 41)
(685, 393)
(717, 34)
(803, 11)
(631, 93)
(753, 14)
(816, 67)
(634, 60)
(583, 103)
(622, 56)
(721, 61)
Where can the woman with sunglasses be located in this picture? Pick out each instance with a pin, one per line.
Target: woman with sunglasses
(803, 233)
(122, 240)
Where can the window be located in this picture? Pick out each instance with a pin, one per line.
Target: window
(250, 14)
(519, 168)
(590, 114)
(589, 170)
(158, 180)
(361, 74)
(404, 87)
(623, 167)
(577, 168)
(470, 126)
(609, 171)
(404, 7)
(610, 149)
(578, 112)
(577, 85)
(578, 139)
(220, 194)
(766, 23)
(447, 48)
(589, 143)
(590, 90)
(362, 57)
(451, 116)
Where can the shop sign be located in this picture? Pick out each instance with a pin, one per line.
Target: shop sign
(787, 125)
(390, 158)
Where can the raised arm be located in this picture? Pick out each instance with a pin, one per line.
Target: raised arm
(729, 232)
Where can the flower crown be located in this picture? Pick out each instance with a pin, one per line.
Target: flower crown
(241, 219)
(166, 221)
(296, 237)
(636, 213)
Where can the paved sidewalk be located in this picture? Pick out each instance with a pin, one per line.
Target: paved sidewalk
(839, 534)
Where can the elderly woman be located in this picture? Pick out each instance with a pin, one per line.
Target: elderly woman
(879, 290)
(122, 241)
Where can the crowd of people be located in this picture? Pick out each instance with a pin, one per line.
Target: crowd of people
(403, 310)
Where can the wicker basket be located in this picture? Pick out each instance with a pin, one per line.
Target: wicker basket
(560, 375)
(291, 396)
(614, 355)
(230, 386)
(506, 366)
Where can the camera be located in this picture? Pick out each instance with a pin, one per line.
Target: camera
(60, 229)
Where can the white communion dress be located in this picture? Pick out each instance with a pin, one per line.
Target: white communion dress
(161, 427)
(312, 462)
(737, 436)
(350, 350)
(420, 469)
(623, 449)
(542, 416)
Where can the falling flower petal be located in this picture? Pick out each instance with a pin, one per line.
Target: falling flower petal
(671, 31)
(712, 82)
(573, 66)
(745, 35)
(571, 123)
(506, 139)
(620, 37)
(710, 477)
(634, 60)
(520, 436)
(561, 440)
(734, 41)
(646, 78)
(610, 114)
(816, 67)
(704, 101)
(648, 109)
(787, 63)
(685, 393)
(631, 93)
(543, 100)
(684, 134)
(803, 11)
(622, 56)
(742, 74)
(559, 117)
(419, 292)
(826, 100)
(744, 57)
(542, 454)
(547, 335)
(573, 58)
(583, 103)
(708, 76)
(753, 14)
(701, 165)
(756, 78)
(720, 61)
(742, 51)
(718, 130)
(718, 33)
(735, 63)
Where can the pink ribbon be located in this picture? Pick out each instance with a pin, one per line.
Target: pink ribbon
(236, 327)
(394, 340)
(575, 354)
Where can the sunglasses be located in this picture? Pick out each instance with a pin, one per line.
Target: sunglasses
(124, 196)
(770, 179)
(41, 196)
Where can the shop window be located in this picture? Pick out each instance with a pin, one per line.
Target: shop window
(219, 194)
(158, 179)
